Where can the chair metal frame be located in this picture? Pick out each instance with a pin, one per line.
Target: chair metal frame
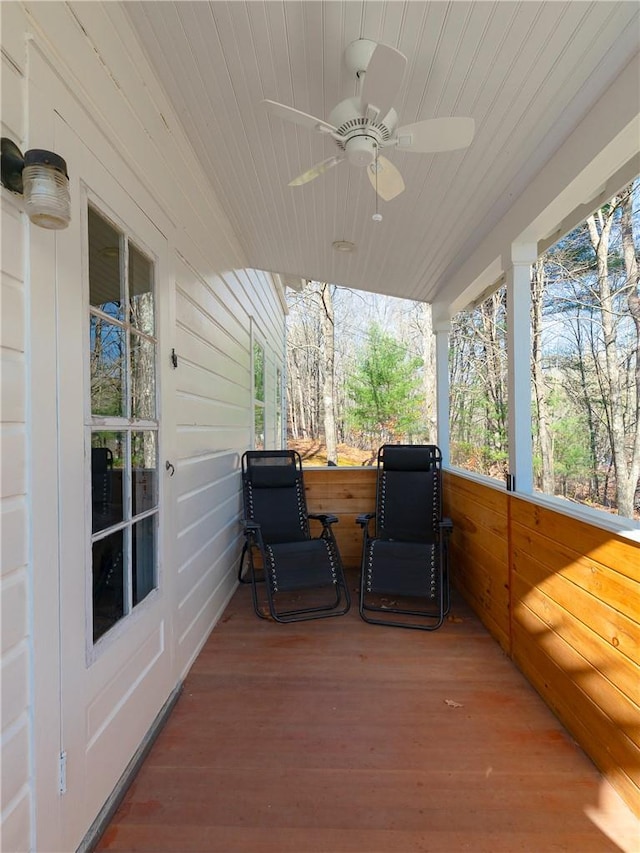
(255, 543)
(436, 533)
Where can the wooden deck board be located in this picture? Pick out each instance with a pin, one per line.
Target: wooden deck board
(336, 737)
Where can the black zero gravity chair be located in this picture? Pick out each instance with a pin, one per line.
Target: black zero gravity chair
(404, 578)
(303, 576)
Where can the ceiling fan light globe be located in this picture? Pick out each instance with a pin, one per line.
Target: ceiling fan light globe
(361, 150)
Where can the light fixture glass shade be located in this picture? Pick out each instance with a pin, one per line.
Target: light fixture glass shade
(46, 189)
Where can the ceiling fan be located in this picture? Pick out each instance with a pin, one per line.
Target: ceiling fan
(366, 123)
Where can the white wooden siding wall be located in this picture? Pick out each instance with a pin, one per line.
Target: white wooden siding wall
(118, 105)
(213, 428)
(15, 646)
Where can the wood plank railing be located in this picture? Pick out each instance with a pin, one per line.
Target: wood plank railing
(562, 597)
(346, 492)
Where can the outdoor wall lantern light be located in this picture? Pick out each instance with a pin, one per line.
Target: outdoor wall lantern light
(41, 177)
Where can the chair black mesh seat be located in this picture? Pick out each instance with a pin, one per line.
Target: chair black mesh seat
(316, 555)
(401, 568)
(404, 574)
(277, 535)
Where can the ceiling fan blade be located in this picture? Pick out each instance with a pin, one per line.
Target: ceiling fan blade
(315, 171)
(383, 78)
(297, 117)
(389, 182)
(436, 134)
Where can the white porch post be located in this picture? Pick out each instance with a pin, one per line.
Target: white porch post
(442, 330)
(518, 280)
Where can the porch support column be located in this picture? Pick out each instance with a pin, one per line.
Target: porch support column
(442, 329)
(518, 280)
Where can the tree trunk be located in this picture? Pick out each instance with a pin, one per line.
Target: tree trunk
(327, 351)
(429, 367)
(495, 403)
(633, 300)
(544, 432)
(600, 234)
(588, 406)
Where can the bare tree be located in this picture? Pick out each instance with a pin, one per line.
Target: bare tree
(429, 368)
(304, 339)
(539, 385)
(625, 452)
(492, 323)
(414, 325)
(586, 294)
(327, 369)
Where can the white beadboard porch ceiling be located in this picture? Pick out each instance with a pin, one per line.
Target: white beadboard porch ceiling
(526, 72)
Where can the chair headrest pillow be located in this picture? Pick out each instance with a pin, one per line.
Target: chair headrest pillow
(273, 476)
(408, 458)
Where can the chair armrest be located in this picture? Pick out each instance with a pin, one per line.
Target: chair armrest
(325, 517)
(364, 518)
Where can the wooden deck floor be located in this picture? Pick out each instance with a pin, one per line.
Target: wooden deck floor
(336, 736)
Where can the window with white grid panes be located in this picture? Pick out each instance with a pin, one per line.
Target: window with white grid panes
(258, 396)
(123, 423)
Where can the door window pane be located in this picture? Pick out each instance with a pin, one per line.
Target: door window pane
(108, 452)
(108, 582)
(144, 558)
(105, 252)
(144, 471)
(141, 292)
(143, 378)
(107, 367)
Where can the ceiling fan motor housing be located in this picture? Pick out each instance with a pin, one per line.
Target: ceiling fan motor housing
(361, 134)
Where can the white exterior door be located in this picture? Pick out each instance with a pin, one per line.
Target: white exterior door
(116, 672)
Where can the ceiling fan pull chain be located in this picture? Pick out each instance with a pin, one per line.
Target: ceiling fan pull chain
(377, 217)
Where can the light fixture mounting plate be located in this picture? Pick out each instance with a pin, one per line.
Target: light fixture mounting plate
(12, 166)
(343, 245)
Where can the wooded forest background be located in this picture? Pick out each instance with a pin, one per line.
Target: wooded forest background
(361, 368)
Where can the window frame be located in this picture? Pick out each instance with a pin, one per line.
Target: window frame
(123, 424)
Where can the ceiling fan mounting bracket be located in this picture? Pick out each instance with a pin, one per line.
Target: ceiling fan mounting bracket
(357, 55)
